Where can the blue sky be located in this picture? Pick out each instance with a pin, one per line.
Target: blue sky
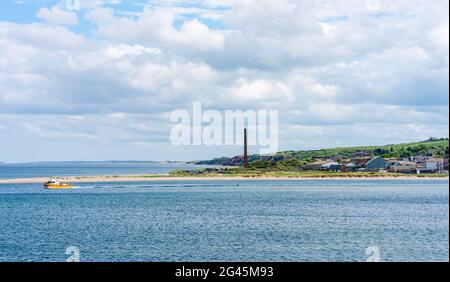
(100, 82)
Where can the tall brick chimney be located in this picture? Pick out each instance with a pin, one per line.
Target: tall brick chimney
(245, 149)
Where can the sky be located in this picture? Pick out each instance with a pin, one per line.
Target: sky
(99, 81)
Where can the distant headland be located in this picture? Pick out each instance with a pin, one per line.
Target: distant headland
(429, 157)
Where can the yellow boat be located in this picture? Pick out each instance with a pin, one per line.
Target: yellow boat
(55, 184)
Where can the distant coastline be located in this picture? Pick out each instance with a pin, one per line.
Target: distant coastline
(95, 162)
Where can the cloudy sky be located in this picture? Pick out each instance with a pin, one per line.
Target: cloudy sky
(99, 82)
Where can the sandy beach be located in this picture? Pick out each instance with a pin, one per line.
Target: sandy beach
(165, 177)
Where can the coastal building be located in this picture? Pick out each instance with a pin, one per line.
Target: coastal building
(391, 161)
(317, 165)
(349, 167)
(432, 165)
(331, 166)
(320, 159)
(358, 164)
(403, 167)
(375, 164)
(419, 159)
(359, 154)
(360, 161)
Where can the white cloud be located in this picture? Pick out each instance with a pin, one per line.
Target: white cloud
(440, 36)
(339, 73)
(259, 91)
(43, 36)
(121, 50)
(57, 15)
(156, 26)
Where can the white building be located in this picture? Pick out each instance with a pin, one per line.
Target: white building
(431, 165)
(434, 165)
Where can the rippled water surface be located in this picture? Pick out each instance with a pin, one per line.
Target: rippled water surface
(407, 220)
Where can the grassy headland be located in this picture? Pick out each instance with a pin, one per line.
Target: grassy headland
(291, 160)
(292, 163)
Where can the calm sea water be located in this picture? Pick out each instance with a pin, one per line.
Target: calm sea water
(30, 170)
(407, 220)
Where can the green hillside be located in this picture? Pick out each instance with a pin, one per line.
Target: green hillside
(436, 148)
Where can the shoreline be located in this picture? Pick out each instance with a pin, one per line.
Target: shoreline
(164, 177)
